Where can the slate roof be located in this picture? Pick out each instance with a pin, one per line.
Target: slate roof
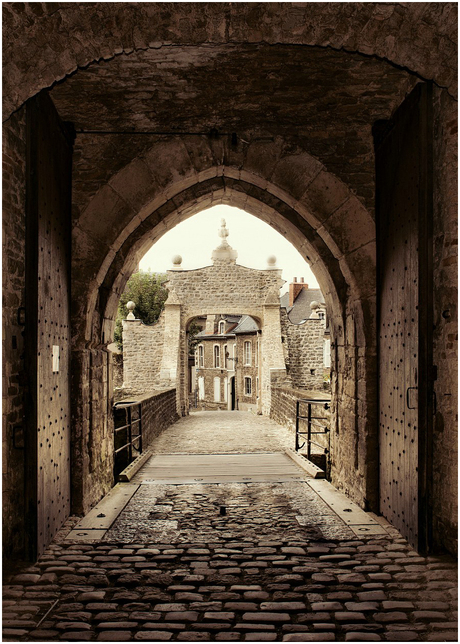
(301, 309)
(247, 325)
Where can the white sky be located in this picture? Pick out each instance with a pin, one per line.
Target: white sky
(253, 239)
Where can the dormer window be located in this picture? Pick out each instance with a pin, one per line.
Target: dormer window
(221, 327)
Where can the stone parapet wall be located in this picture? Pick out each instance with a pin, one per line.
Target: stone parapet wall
(283, 411)
(158, 411)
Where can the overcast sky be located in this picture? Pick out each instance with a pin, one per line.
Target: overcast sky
(253, 239)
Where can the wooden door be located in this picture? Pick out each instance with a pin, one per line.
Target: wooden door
(48, 225)
(404, 243)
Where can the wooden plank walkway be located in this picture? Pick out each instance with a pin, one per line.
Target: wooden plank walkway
(219, 468)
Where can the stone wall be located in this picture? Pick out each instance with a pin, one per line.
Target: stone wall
(13, 259)
(304, 352)
(117, 370)
(142, 354)
(223, 287)
(445, 356)
(158, 413)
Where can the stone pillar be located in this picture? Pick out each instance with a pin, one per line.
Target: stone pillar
(271, 348)
(170, 362)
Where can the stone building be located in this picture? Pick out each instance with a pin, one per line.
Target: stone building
(336, 123)
(227, 365)
(306, 333)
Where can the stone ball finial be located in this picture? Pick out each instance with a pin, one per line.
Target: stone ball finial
(177, 261)
(315, 306)
(130, 306)
(271, 261)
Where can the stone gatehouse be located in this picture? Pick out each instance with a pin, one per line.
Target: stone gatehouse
(335, 123)
(234, 364)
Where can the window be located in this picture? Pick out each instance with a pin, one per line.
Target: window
(221, 327)
(200, 356)
(248, 386)
(216, 356)
(247, 353)
(216, 389)
(200, 388)
(225, 356)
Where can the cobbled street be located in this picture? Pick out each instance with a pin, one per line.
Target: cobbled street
(238, 560)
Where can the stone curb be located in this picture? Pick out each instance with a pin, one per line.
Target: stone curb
(309, 467)
(127, 474)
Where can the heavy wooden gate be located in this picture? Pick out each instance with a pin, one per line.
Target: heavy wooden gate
(48, 221)
(404, 242)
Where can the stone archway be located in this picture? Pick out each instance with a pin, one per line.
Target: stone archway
(47, 44)
(298, 197)
(368, 58)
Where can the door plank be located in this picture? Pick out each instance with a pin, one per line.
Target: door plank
(404, 245)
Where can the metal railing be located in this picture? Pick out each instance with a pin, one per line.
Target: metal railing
(127, 434)
(314, 425)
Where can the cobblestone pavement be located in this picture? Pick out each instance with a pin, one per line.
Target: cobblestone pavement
(231, 562)
(214, 432)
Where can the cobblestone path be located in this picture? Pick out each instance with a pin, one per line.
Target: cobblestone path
(265, 561)
(214, 432)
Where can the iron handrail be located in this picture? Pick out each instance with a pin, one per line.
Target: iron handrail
(309, 433)
(132, 439)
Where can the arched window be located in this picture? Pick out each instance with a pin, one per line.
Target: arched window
(221, 327)
(200, 356)
(216, 356)
(225, 356)
(247, 353)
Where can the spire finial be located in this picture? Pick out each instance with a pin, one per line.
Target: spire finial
(223, 232)
(224, 251)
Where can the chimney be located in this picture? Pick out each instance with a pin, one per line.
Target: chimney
(294, 289)
(210, 320)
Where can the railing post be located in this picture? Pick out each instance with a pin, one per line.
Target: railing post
(297, 413)
(140, 429)
(130, 437)
(309, 432)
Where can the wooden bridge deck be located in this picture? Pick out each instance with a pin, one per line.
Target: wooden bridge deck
(219, 468)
